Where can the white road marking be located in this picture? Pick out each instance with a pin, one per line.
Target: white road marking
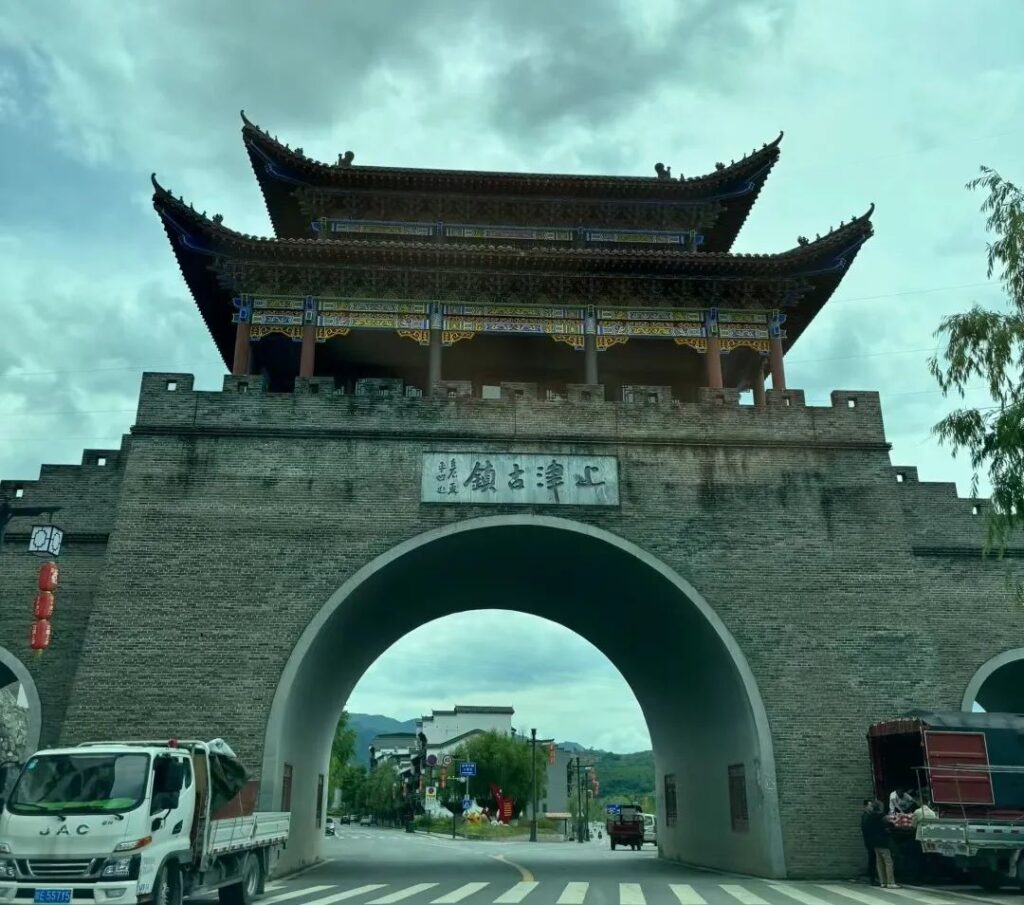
(294, 894)
(573, 894)
(406, 893)
(631, 894)
(801, 895)
(858, 896)
(687, 895)
(517, 893)
(457, 895)
(927, 898)
(742, 895)
(347, 894)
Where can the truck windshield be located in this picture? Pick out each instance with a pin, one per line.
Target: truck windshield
(91, 782)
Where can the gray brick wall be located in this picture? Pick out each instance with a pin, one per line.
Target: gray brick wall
(241, 512)
(88, 496)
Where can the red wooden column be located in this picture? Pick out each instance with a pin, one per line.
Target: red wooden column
(590, 347)
(243, 348)
(714, 353)
(307, 358)
(435, 349)
(759, 397)
(775, 351)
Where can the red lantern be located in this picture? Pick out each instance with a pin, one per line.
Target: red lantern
(41, 631)
(551, 755)
(44, 605)
(49, 576)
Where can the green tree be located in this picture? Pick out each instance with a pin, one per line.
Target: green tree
(381, 789)
(353, 788)
(342, 749)
(505, 763)
(988, 345)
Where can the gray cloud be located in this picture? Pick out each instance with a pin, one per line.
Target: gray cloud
(549, 674)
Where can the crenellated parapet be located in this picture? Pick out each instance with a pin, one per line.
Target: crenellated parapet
(169, 404)
(86, 494)
(943, 523)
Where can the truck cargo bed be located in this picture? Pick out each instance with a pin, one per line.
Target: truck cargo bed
(238, 833)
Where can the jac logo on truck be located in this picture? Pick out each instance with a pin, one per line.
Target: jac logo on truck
(80, 830)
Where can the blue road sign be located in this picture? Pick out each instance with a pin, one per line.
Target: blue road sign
(467, 768)
(612, 809)
(466, 804)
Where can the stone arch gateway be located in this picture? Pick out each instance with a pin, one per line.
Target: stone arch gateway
(701, 700)
(201, 552)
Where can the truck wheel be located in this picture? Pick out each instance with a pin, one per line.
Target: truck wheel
(988, 879)
(167, 886)
(245, 890)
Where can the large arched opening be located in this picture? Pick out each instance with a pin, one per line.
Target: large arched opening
(998, 686)
(21, 715)
(700, 700)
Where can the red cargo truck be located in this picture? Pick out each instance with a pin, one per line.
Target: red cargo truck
(626, 827)
(968, 768)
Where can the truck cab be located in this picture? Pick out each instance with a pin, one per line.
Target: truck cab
(124, 823)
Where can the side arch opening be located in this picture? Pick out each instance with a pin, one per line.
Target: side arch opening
(708, 724)
(21, 715)
(998, 685)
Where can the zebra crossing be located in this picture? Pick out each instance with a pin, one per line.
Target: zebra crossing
(533, 892)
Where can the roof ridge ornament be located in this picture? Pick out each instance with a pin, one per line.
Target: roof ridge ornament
(345, 160)
(663, 171)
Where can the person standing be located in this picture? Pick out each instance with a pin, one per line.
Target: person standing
(877, 834)
(865, 831)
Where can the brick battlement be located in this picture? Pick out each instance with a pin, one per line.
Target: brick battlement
(942, 521)
(169, 404)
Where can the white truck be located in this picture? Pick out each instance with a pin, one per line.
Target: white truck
(117, 823)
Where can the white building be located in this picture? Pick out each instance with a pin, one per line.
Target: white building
(447, 729)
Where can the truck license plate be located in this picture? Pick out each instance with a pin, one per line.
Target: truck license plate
(53, 896)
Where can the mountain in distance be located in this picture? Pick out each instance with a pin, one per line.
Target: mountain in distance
(367, 725)
(623, 777)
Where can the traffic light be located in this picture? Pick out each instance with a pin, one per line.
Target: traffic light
(568, 777)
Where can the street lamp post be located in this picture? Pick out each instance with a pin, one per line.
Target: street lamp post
(579, 801)
(586, 793)
(533, 784)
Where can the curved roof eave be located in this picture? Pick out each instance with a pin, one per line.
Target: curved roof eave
(683, 188)
(201, 281)
(279, 169)
(205, 235)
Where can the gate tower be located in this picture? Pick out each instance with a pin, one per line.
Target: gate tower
(451, 390)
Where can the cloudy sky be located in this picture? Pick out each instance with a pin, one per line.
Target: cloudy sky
(891, 101)
(542, 670)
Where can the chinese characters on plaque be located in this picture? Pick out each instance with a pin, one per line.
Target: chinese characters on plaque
(534, 479)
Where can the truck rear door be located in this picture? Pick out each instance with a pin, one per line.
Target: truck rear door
(958, 768)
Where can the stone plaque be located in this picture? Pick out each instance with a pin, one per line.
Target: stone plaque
(529, 479)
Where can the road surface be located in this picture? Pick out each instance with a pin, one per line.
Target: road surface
(385, 867)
